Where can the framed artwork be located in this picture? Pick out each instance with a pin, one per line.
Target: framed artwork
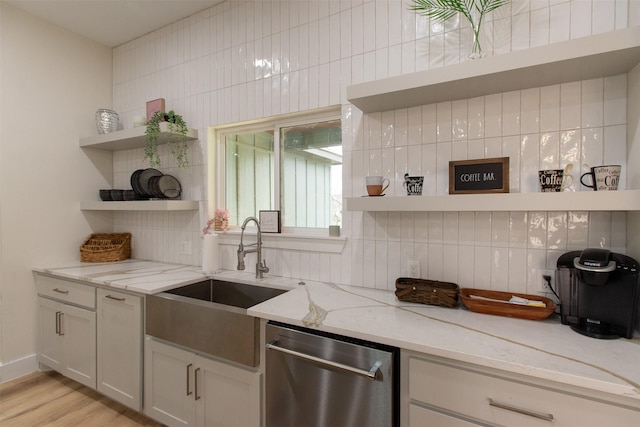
(270, 221)
(153, 106)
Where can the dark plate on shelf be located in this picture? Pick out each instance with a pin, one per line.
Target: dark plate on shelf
(169, 187)
(153, 187)
(134, 182)
(143, 181)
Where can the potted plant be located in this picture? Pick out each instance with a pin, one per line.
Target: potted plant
(177, 140)
(473, 10)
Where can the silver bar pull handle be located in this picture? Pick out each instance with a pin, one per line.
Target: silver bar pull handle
(546, 417)
(60, 323)
(57, 323)
(60, 291)
(195, 379)
(189, 392)
(371, 373)
(114, 298)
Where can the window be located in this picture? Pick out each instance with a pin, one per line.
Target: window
(289, 164)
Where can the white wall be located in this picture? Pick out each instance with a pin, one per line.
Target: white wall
(246, 60)
(51, 83)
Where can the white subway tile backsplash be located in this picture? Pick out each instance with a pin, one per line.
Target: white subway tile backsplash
(482, 229)
(475, 118)
(570, 103)
(248, 60)
(414, 126)
(435, 227)
(592, 103)
(592, 148)
(530, 111)
(615, 104)
(529, 163)
(557, 230)
(540, 25)
(615, 150)
(581, 18)
(435, 261)
(493, 115)
(429, 124)
(444, 122)
(500, 229)
(451, 264)
(600, 230)
(394, 263)
(380, 268)
(482, 267)
(450, 228)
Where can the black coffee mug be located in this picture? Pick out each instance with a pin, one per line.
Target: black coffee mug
(603, 178)
(413, 184)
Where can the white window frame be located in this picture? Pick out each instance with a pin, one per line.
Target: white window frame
(217, 194)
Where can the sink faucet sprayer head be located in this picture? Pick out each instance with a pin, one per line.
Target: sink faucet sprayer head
(241, 257)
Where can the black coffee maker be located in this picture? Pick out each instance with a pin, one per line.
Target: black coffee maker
(598, 292)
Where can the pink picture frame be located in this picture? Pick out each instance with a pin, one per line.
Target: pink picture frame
(153, 106)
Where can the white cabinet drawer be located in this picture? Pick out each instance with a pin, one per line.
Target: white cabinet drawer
(515, 403)
(423, 417)
(66, 291)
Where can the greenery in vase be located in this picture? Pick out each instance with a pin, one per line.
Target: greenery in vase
(177, 140)
(473, 10)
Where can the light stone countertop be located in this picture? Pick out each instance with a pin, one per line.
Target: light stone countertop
(146, 277)
(543, 349)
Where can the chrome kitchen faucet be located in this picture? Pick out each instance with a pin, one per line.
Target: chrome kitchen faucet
(261, 266)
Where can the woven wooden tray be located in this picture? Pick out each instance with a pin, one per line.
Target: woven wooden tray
(433, 292)
(505, 308)
(106, 247)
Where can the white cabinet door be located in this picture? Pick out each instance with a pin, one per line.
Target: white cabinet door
(79, 329)
(67, 340)
(226, 396)
(168, 384)
(50, 342)
(119, 347)
(182, 389)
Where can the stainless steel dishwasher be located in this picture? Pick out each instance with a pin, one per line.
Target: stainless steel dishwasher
(317, 379)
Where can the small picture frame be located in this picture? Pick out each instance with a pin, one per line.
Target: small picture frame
(270, 221)
(153, 106)
(479, 176)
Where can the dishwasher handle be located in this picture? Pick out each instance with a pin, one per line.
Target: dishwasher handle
(371, 373)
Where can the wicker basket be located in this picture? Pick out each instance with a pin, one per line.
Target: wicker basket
(427, 291)
(106, 247)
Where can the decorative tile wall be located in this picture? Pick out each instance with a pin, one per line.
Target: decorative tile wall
(244, 60)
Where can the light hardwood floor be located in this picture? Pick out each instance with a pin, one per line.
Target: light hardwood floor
(50, 399)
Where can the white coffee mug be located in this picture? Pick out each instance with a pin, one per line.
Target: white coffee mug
(376, 185)
(603, 178)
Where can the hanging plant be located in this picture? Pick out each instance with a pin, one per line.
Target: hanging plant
(177, 138)
(473, 10)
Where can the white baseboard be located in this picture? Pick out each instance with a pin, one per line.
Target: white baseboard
(18, 368)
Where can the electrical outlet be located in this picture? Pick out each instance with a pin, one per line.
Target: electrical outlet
(185, 247)
(413, 266)
(542, 283)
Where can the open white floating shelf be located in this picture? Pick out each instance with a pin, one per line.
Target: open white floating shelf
(141, 205)
(624, 200)
(602, 55)
(127, 139)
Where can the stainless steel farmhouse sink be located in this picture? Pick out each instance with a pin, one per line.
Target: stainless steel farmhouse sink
(210, 317)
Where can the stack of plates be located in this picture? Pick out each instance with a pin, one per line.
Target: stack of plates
(151, 183)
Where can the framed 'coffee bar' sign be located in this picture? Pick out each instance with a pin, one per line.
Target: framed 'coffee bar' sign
(479, 176)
